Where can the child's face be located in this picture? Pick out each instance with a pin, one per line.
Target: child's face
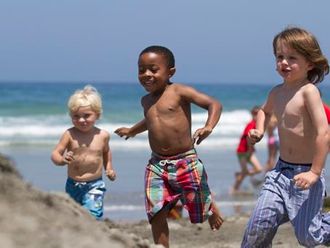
(290, 64)
(154, 73)
(84, 118)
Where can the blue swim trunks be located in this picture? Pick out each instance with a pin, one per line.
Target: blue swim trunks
(88, 194)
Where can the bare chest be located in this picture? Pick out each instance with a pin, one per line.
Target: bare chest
(92, 142)
(165, 106)
(290, 111)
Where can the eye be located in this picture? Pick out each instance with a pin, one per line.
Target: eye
(279, 57)
(154, 69)
(142, 70)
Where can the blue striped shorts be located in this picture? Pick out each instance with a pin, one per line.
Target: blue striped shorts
(281, 201)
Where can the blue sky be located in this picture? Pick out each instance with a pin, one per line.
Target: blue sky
(99, 40)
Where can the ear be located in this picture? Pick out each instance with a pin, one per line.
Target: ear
(172, 71)
(310, 66)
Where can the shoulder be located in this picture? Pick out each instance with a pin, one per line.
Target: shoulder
(310, 89)
(183, 90)
(102, 132)
(105, 134)
(66, 136)
(69, 132)
(277, 88)
(180, 86)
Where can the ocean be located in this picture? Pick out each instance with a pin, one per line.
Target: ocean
(33, 116)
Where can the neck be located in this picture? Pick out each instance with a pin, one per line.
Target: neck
(297, 83)
(161, 91)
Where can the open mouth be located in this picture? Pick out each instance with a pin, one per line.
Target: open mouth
(286, 70)
(148, 83)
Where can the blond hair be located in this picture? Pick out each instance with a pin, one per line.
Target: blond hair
(307, 45)
(88, 96)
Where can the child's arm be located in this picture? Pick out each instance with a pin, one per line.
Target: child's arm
(255, 135)
(204, 101)
(314, 107)
(139, 127)
(214, 111)
(59, 156)
(262, 120)
(107, 159)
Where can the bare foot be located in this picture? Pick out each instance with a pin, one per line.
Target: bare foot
(215, 220)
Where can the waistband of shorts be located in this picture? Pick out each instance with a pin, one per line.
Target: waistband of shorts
(69, 179)
(295, 164)
(191, 152)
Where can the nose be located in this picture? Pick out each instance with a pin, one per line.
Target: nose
(148, 73)
(81, 119)
(284, 61)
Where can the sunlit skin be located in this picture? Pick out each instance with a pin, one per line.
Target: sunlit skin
(167, 109)
(167, 112)
(84, 148)
(302, 123)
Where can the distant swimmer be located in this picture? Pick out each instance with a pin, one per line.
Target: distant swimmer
(246, 155)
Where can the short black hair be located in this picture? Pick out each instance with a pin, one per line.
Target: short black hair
(162, 51)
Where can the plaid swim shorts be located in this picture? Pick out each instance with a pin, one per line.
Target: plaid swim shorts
(181, 177)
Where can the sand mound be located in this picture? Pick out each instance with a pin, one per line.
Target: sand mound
(31, 218)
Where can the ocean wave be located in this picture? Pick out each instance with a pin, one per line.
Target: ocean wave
(46, 130)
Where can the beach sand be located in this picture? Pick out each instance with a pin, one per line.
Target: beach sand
(32, 218)
(183, 234)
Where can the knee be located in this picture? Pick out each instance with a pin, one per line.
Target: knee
(256, 238)
(307, 240)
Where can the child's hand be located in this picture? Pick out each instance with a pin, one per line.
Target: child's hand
(254, 136)
(305, 180)
(111, 174)
(124, 132)
(68, 157)
(201, 134)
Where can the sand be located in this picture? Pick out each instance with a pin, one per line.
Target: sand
(31, 218)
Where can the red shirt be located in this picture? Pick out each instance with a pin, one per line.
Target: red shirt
(243, 145)
(327, 112)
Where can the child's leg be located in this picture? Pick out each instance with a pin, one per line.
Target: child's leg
(157, 192)
(312, 227)
(239, 177)
(268, 214)
(159, 228)
(257, 168)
